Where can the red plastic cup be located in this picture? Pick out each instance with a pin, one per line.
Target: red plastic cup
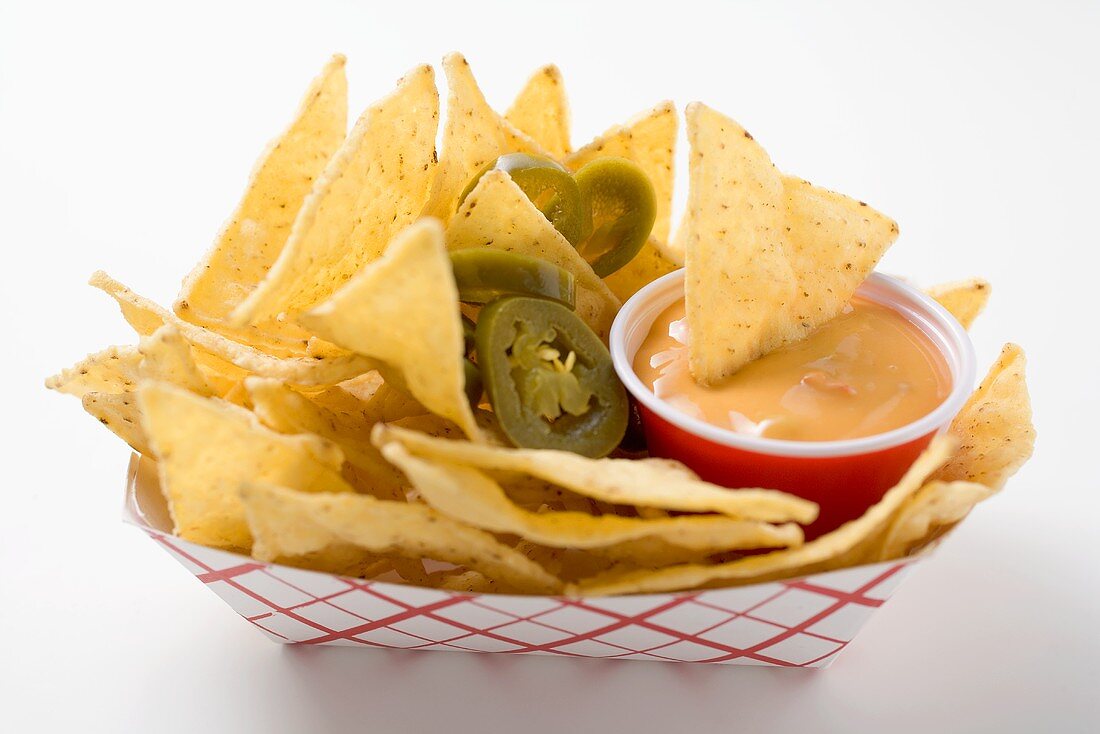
(844, 477)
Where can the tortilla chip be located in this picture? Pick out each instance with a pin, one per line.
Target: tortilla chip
(287, 411)
(206, 448)
(541, 111)
(225, 357)
(471, 497)
(769, 257)
(474, 135)
(368, 398)
(964, 299)
(256, 232)
(403, 310)
(648, 139)
(375, 185)
(994, 428)
(936, 504)
(778, 564)
(641, 482)
(648, 265)
(105, 383)
(113, 370)
(290, 523)
(498, 214)
(166, 356)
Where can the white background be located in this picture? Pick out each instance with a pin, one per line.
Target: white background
(127, 132)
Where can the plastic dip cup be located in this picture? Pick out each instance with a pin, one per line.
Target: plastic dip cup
(844, 477)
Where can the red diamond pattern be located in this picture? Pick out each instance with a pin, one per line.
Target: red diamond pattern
(799, 623)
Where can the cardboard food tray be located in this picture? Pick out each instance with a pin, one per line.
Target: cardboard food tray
(801, 622)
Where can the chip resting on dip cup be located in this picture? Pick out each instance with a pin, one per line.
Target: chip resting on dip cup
(844, 476)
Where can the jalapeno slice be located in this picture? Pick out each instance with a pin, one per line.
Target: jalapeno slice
(483, 274)
(474, 387)
(469, 332)
(548, 185)
(623, 208)
(549, 378)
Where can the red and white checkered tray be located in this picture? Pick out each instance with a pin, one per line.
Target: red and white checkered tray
(801, 623)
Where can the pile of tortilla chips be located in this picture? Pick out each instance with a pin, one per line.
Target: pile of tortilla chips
(304, 398)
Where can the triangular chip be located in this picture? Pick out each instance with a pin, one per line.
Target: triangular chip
(473, 136)
(472, 497)
(167, 357)
(375, 184)
(252, 239)
(994, 428)
(225, 357)
(964, 299)
(287, 411)
(648, 139)
(498, 214)
(653, 483)
(778, 564)
(541, 110)
(206, 448)
(290, 523)
(937, 504)
(402, 309)
(650, 263)
(768, 257)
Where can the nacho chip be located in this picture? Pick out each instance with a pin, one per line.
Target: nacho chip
(470, 496)
(778, 564)
(473, 136)
(225, 357)
(541, 110)
(290, 523)
(648, 265)
(964, 299)
(642, 482)
(256, 232)
(375, 185)
(287, 411)
(409, 291)
(936, 504)
(105, 383)
(112, 370)
(768, 257)
(368, 398)
(498, 214)
(994, 428)
(166, 356)
(649, 139)
(205, 448)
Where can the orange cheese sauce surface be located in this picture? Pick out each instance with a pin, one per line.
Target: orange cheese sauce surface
(868, 371)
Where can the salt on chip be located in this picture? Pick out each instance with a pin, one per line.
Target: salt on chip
(642, 482)
(965, 299)
(470, 496)
(375, 184)
(778, 564)
(474, 135)
(649, 140)
(541, 110)
(403, 309)
(222, 355)
(936, 504)
(206, 448)
(994, 428)
(290, 523)
(498, 214)
(768, 257)
(256, 232)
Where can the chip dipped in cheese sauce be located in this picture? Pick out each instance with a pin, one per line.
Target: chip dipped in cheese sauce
(868, 371)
